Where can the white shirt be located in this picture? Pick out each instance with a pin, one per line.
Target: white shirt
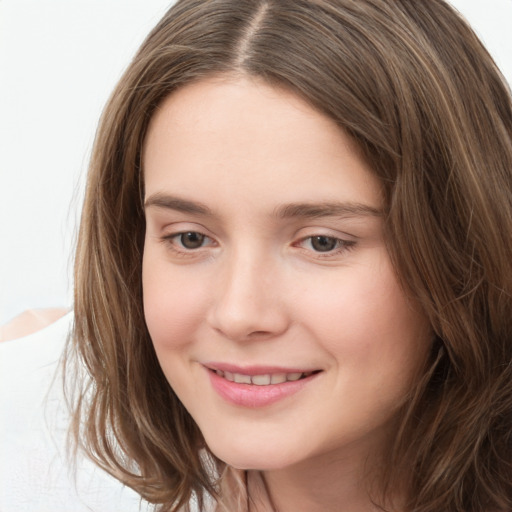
(35, 475)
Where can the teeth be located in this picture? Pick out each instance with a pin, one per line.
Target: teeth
(262, 380)
(240, 378)
(278, 378)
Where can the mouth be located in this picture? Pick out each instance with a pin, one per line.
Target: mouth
(263, 379)
(258, 386)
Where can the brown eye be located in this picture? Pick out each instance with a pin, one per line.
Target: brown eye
(324, 243)
(192, 240)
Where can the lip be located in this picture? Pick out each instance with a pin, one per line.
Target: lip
(251, 395)
(256, 369)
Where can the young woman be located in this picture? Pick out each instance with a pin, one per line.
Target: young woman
(293, 283)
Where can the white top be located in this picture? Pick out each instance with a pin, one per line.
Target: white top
(34, 473)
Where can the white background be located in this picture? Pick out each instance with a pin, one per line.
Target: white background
(59, 60)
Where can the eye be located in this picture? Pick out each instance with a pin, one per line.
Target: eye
(324, 243)
(188, 244)
(191, 239)
(328, 245)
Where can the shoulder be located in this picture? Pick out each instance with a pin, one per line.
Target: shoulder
(29, 322)
(37, 472)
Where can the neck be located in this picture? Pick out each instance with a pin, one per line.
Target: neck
(328, 484)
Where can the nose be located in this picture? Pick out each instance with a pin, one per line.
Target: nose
(248, 303)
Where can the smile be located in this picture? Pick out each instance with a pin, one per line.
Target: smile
(258, 386)
(264, 379)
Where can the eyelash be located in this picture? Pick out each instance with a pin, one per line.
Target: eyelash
(341, 246)
(171, 242)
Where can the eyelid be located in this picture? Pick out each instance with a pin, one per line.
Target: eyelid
(174, 231)
(181, 233)
(176, 234)
(170, 229)
(343, 245)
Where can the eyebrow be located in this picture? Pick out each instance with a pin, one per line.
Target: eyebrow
(285, 211)
(167, 202)
(330, 209)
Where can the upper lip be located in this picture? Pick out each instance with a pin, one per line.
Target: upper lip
(257, 369)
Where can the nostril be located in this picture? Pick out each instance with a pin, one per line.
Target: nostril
(256, 334)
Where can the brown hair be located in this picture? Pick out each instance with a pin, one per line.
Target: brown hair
(413, 85)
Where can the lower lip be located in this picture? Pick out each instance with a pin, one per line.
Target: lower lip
(253, 396)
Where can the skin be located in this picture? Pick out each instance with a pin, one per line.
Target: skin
(257, 291)
(29, 322)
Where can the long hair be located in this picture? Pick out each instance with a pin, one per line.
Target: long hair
(410, 82)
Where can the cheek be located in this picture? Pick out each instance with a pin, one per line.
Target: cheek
(364, 320)
(173, 304)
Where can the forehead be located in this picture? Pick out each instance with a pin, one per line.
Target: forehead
(229, 133)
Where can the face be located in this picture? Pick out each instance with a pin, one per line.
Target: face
(268, 291)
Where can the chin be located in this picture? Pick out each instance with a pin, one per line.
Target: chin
(254, 455)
